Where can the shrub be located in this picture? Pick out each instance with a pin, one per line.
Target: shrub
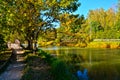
(112, 45)
(2, 43)
(60, 71)
(46, 56)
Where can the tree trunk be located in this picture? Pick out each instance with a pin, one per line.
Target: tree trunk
(30, 46)
(35, 47)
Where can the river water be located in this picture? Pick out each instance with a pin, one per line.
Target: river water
(102, 64)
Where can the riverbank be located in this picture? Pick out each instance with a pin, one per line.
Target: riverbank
(94, 44)
(111, 45)
(43, 66)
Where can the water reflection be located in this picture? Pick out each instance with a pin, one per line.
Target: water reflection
(90, 58)
(50, 48)
(102, 64)
(87, 55)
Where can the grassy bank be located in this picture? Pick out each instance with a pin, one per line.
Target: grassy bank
(43, 66)
(112, 45)
(68, 44)
(93, 44)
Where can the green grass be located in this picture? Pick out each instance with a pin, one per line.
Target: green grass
(112, 45)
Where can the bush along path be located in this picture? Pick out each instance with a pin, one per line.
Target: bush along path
(15, 70)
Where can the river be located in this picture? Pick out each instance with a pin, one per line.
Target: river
(102, 64)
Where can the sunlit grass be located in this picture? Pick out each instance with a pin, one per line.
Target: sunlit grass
(112, 45)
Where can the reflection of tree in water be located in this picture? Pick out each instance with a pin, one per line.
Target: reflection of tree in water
(76, 58)
(72, 58)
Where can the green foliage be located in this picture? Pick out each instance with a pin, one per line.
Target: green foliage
(48, 57)
(30, 59)
(60, 71)
(1, 39)
(112, 45)
(30, 18)
(117, 25)
(2, 43)
(28, 75)
(103, 24)
(96, 26)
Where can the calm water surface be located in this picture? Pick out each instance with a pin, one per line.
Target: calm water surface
(102, 64)
(87, 55)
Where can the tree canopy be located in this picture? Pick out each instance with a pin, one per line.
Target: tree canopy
(31, 18)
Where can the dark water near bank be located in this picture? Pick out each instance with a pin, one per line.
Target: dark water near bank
(102, 64)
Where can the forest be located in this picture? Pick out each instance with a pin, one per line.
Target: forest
(52, 23)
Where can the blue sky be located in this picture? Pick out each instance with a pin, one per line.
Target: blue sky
(87, 5)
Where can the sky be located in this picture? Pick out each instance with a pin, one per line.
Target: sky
(87, 5)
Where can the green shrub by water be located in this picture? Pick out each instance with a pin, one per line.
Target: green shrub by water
(46, 56)
(60, 71)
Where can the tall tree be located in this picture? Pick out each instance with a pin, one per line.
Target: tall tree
(34, 17)
(101, 21)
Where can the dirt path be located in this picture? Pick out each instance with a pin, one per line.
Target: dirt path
(15, 70)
